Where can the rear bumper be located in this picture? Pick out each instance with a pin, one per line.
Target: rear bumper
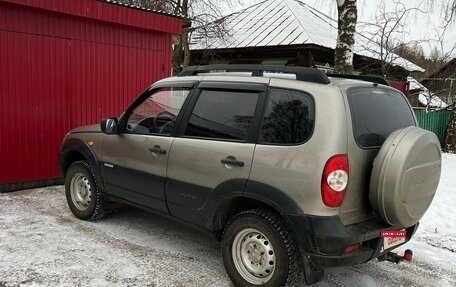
(323, 240)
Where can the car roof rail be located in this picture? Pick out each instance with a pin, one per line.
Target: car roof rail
(366, 78)
(302, 73)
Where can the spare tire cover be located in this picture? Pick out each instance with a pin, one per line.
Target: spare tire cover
(405, 176)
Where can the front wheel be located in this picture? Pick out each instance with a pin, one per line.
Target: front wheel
(82, 193)
(259, 250)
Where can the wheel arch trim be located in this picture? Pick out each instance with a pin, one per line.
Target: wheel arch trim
(75, 145)
(225, 201)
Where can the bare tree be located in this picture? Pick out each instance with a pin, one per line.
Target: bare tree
(414, 53)
(388, 31)
(449, 12)
(449, 142)
(347, 15)
(196, 13)
(440, 80)
(181, 50)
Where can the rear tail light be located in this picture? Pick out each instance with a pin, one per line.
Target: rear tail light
(334, 180)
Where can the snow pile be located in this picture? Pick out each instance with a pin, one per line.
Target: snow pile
(441, 216)
(426, 97)
(438, 226)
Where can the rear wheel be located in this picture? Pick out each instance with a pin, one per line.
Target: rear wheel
(259, 250)
(82, 193)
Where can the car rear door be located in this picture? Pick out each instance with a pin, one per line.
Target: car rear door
(215, 147)
(376, 112)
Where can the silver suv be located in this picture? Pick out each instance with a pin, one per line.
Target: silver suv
(291, 169)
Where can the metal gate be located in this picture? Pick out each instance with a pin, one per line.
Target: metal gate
(433, 120)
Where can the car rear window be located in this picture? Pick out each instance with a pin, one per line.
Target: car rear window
(376, 113)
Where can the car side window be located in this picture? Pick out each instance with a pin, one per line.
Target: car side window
(158, 113)
(222, 115)
(288, 119)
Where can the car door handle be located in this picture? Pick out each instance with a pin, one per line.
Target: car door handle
(231, 160)
(157, 150)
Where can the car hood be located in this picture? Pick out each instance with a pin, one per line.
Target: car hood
(87, 129)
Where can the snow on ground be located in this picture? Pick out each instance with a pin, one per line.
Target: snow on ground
(43, 244)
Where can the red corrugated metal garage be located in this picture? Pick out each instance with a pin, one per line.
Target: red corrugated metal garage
(66, 63)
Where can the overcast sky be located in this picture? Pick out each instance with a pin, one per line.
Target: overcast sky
(420, 26)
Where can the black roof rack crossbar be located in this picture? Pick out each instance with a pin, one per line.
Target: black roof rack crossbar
(302, 73)
(366, 78)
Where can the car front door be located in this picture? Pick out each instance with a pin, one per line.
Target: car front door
(214, 150)
(134, 160)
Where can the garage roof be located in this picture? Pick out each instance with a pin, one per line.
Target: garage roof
(107, 12)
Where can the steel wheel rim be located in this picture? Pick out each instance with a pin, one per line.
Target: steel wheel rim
(81, 191)
(253, 256)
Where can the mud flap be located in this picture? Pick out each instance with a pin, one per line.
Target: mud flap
(312, 274)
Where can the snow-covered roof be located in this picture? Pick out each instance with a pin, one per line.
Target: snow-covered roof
(426, 97)
(285, 22)
(137, 5)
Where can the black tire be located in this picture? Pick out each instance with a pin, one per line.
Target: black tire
(280, 238)
(94, 208)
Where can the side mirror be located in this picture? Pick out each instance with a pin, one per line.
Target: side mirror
(109, 126)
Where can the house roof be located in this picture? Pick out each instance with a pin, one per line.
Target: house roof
(284, 22)
(426, 97)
